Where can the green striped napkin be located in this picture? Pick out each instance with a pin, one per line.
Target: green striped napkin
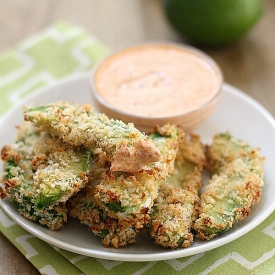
(63, 51)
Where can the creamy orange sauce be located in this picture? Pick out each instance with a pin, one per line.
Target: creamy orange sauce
(156, 81)
(136, 158)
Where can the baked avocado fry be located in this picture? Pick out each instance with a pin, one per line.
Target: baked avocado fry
(176, 206)
(234, 188)
(113, 232)
(40, 173)
(114, 224)
(122, 195)
(137, 166)
(17, 178)
(129, 150)
(225, 148)
(60, 170)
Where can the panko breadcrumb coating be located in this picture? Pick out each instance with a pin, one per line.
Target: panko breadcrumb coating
(234, 188)
(129, 150)
(120, 182)
(121, 192)
(176, 206)
(41, 173)
(113, 232)
(122, 195)
(121, 227)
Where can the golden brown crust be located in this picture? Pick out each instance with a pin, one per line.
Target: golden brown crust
(176, 206)
(234, 188)
(38, 171)
(78, 125)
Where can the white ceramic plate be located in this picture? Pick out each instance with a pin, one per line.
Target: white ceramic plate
(237, 113)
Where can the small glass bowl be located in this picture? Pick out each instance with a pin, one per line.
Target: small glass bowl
(188, 120)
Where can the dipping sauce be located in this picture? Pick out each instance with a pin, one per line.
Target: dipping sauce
(156, 81)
